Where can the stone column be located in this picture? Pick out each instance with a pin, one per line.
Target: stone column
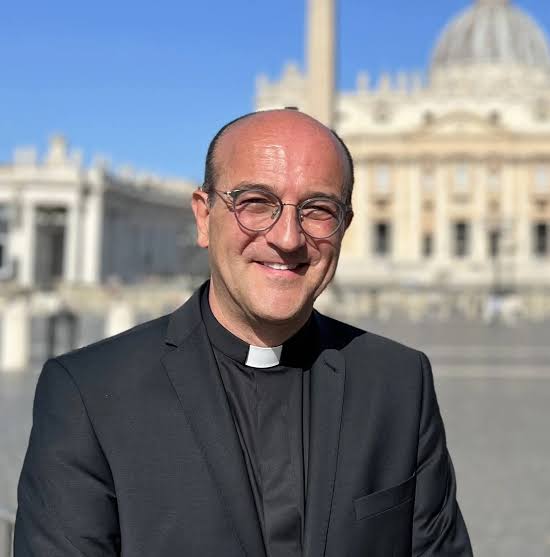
(27, 252)
(509, 240)
(92, 242)
(400, 185)
(523, 238)
(415, 212)
(442, 224)
(362, 208)
(72, 242)
(15, 339)
(7, 522)
(356, 240)
(321, 59)
(479, 222)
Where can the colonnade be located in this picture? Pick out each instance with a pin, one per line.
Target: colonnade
(118, 311)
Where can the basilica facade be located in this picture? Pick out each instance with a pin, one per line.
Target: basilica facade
(452, 167)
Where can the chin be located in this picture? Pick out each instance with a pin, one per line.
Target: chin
(284, 310)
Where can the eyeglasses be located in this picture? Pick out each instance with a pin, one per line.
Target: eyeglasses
(258, 210)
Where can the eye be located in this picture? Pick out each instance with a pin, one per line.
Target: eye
(320, 209)
(255, 201)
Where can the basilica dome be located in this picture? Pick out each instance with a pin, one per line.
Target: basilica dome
(492, 32)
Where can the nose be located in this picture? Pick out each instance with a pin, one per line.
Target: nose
(286, 234)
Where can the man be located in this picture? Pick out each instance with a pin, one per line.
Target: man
(245, 423)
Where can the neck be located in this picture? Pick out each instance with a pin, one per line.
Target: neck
(251, 329)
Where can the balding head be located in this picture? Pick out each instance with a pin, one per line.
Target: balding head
(294, 174)
(274, 122)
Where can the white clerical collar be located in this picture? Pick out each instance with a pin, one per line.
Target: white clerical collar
(262, 357)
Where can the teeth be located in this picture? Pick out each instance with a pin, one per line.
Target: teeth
(281, 266)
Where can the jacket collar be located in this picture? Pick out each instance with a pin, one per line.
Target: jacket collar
(186, 318)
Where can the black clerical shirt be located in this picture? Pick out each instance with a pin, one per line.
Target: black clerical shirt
(270, 407)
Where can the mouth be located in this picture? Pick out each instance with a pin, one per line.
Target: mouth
(283, 268)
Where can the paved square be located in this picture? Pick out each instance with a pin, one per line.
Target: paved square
(493, 386)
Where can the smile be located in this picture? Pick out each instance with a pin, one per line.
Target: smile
(281, 266)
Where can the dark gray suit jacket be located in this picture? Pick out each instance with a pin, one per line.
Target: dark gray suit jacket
(133, 451)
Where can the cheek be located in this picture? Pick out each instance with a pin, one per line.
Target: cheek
(229, 242)
(219, 246)
(327, 253)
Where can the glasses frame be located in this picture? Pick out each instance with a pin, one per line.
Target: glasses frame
(234, 194)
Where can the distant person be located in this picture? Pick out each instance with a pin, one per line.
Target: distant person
(245, 423)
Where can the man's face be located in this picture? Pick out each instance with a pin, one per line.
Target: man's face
(295, 158)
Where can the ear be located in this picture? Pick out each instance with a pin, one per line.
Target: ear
(201, 210)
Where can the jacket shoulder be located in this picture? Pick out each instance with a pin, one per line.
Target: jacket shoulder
(136, 348)
(343, 336)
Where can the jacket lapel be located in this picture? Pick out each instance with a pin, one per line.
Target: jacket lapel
(327, 396)
(194, 374)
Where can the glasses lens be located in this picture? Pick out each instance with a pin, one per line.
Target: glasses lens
(321, 218)
(256, 209)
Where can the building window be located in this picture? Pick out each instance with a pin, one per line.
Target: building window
(382, 179)
(461, 235)
(540, 239)
(427, 244)
(50, 245)
(494, 243)
(382, 239)
(461, 177)
(542, 179)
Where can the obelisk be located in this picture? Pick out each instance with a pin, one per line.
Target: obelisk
(321, 59)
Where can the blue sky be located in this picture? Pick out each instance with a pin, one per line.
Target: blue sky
(148, 84)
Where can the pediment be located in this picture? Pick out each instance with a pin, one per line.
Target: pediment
(460, 124)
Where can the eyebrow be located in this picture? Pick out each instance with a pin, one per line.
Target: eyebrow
(255, 185)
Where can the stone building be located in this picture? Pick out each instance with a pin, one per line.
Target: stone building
(452, 167)
(64, 223)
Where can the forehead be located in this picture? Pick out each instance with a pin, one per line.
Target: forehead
(283, 151)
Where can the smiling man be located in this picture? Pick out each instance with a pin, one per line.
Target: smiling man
(285, 189)
(246, 423)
